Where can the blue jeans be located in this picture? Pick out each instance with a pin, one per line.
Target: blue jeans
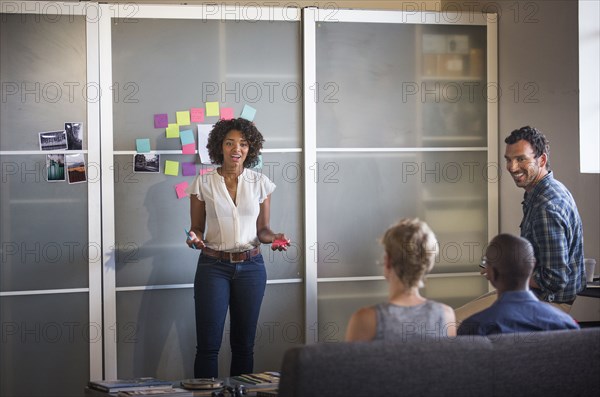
(217, 286)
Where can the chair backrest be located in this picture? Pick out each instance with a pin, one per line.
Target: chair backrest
(538, 364)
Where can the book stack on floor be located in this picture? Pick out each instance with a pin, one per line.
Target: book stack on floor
(260, 382)
(146, 386)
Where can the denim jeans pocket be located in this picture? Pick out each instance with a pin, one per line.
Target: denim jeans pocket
(257, 260)
(205, 260)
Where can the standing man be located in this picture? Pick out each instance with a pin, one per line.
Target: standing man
(551, 223)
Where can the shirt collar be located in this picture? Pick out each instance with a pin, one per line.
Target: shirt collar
(529, 197)
(515, 296)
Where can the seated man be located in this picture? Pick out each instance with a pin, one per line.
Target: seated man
(509, 264)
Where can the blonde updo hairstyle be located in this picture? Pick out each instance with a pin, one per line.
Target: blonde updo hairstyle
(411, 247)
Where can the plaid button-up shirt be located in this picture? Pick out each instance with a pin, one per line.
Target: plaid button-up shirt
(552, 224)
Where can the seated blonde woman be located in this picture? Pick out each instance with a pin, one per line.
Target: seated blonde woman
(410, 250)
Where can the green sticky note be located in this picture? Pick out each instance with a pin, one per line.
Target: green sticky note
(173, 131)
(142, 145)
(172, 168)
(183, 118)
(212, 108)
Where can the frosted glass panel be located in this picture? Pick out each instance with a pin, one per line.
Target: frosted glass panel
(280, 326)
(285, 170)
(455, 291)
(447, 190)
(164, 66)
(156, 333)
(44, 228)
(157, 337)
(400, 85)
(451, 88)
(338, 300)
(150, 222)
(361, 71)
(149, 226)
(43, 77)
(453, 189)
(50, 344)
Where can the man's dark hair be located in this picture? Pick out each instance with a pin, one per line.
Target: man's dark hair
(513, 258)
(536, 139)
(249, 132)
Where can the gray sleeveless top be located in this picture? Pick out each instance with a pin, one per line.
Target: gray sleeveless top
(424, 321)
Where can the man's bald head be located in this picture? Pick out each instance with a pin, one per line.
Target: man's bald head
(510, 260)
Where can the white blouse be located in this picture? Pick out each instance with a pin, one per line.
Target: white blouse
(231, 227)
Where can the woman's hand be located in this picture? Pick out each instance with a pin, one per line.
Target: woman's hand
(194, 241)
(280, 242)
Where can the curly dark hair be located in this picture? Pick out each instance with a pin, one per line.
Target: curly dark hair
(248, 130)
(536, 139)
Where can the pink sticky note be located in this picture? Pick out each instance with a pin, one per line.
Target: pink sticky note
(226, 113)
(161, 120)
(188, 169)
(180, 190)
(190, 148)
(205, 170)
(197, 115)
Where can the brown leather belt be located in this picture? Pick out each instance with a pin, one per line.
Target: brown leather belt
(233, 257)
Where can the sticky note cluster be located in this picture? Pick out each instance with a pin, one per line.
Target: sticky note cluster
(183, 128)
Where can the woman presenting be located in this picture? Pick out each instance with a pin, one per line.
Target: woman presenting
(230, 209)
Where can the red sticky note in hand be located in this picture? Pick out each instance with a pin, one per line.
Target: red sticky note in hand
(279, 243)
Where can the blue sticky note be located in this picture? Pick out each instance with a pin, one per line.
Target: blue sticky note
(142, 145)
(260, 162)
(187, 137)
(248, 113)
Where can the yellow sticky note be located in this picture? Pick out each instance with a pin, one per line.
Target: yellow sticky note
(173, 131)
(212, 108)
(183, 118)
(172, 168)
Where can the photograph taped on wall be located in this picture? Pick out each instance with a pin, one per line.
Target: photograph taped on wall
(146, 162)
(55, 167)
(74, 135)
(53, 140)
(76, 168)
